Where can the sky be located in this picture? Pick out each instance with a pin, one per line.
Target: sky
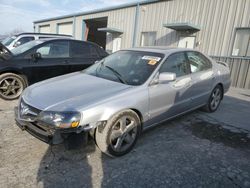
(20, 14)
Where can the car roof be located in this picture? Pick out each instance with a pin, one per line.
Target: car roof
(160, 49)
(47, 34)
(66, 39)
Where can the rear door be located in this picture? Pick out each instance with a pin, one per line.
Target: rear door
(202, 77)
(83, 55)
(172, 98)
(54, 61)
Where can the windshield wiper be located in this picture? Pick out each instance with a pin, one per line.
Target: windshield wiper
(117, 74)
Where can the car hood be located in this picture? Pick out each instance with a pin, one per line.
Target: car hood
(5, 53)
(71, 92)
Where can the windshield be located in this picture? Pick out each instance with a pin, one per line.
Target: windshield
(8, 40)
(128, 67)
(20, 49)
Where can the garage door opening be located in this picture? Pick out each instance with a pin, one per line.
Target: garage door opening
(91, 33)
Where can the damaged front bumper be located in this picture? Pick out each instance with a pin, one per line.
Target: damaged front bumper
(45, 133)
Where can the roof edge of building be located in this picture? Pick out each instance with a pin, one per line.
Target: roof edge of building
(98, 10)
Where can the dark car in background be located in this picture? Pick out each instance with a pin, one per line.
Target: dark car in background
(42, 59)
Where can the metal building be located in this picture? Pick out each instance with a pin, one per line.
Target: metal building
(220, 28)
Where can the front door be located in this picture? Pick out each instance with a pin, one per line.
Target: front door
(169, 99)
(186, 42)
(54, 61)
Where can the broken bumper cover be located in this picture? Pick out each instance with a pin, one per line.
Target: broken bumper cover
(44, 133)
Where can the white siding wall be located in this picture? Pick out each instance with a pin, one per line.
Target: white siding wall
(217, 19)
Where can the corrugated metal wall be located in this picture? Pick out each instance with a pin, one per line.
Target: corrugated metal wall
(239, 71)
(217, 19)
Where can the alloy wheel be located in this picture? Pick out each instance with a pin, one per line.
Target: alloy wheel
(215, 99)
(11, 87)
(123, 133)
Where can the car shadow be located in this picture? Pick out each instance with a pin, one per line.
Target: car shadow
(61, 168)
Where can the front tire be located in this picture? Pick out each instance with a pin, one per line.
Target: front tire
(11, 86)
(119, 135)
(214, 99)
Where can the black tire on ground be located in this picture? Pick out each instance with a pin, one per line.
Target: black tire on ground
(11, 86)
(120, 133)
(214, 100)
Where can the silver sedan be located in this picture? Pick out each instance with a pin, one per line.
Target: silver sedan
(123, 94)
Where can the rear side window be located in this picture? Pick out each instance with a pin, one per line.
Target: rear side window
(177, 64)
(24, 40)
(83, 50)
(198, 62)
(54, 49)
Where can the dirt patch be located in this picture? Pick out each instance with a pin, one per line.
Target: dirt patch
(217, 133)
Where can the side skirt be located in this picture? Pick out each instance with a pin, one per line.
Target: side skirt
(146, 127)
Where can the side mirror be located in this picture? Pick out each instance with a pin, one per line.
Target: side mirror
(36, 56)
(164, 77)
(18, 43)
(167, 77)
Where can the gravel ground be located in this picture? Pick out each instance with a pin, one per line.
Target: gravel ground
(195, 150)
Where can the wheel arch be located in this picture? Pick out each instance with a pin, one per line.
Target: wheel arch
(138, 113)
(18, 72)
(222, 87)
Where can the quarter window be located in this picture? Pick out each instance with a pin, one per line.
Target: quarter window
(148, 38)
(198, 62)
(241, 45)
(177, 64)
(55, 49)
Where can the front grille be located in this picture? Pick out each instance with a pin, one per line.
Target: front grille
(28, 112)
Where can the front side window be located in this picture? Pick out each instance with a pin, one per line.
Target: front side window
(198, 62)
(128, 67)
(241, 45)
(177, 64)
(56, 49)
(148, 38)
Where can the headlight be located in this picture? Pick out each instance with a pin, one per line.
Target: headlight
(61, 119)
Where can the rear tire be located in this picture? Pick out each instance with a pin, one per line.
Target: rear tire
(11, 86)
(119, 135)
(214, 99)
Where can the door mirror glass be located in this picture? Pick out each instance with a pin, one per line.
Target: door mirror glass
(36, 56)
(167, 77)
